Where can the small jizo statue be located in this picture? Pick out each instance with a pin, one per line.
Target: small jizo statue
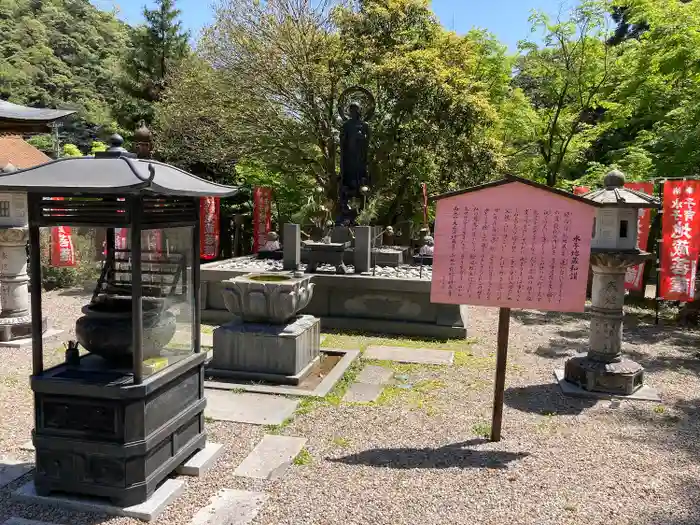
(388, 237)
(428, 248)
(273, 243)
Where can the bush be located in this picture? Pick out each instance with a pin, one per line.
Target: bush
(86, 270)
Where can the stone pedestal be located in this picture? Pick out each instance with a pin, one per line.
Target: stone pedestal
(267, 341)
(266, 351)
(604, 369)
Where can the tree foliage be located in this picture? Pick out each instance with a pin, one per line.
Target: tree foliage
(62, 53)
(158, 47)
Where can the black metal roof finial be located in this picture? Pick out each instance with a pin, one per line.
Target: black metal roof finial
(115, 149)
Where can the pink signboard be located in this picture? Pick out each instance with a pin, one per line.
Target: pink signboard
(512, 245)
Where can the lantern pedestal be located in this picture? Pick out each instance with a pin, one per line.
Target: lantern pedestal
(604, 369)
(15, 318)
(98, 434)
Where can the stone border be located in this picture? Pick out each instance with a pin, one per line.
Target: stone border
(26, 342)
(325, 386)
(201, 461)
(164, 495)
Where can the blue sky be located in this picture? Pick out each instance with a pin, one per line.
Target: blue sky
(507, 19)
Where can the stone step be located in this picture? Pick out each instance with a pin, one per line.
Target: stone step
(400, 354)
(375, 375)
(254, 409)
(271, 457)
(231, 507)
(362, 393)
(202, 461)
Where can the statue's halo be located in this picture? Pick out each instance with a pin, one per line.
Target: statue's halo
(360, 96)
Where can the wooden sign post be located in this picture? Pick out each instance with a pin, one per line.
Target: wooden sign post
(511, 243)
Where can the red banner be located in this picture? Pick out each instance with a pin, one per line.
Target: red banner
(679, 249)
(262, 216)
(209, 227)
(581, 190)
(62, 250)
(635, 274)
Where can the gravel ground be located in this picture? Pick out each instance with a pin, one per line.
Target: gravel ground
(416, 456)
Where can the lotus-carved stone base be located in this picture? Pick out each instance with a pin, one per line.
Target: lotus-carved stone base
(265, 349)
(623, 377)
(267, 298)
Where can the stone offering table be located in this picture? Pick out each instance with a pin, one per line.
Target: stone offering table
(267, 341)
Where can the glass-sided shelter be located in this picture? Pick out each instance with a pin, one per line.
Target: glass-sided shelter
(116, 420)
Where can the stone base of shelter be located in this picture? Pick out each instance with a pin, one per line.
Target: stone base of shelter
(276, 353)
(622, 378)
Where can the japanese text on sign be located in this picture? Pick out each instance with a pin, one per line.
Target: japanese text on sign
(512, 245)
(679, 249)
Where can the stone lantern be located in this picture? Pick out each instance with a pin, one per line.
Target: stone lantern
(614, 248)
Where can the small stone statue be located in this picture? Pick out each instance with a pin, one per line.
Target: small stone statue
(428, 248)
(388, 237)
(273, 243)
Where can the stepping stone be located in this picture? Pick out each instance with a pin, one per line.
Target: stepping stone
(254, 409)
(202, 461)
(22, 521)
(400, 354)
(271, 457)
(231, 507)
(11, 470)
(375, 375)
(362, 393)
(146, 511)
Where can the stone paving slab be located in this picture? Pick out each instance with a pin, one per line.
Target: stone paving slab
(202, 461)
(375, 375)
(12, 469)
(22, 521)
(231, 507)
(28, 446)
(400, 354)
(271, 457)
(254, 409)
(147, 511)
(646, 393)
(362, 393)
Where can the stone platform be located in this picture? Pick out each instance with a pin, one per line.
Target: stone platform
(279, 353)
(622, 377)
(380, 304)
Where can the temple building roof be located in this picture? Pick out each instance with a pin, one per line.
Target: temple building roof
(16, 151)
(22, 119)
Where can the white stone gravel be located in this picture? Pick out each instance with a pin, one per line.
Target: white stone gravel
(415, 457)
(251, 264)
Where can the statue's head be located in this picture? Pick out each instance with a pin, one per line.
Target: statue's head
(354, 110)
(429, 241)
(272, 236)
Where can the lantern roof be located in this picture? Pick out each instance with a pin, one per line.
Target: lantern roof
(16, 118)
(113, 172)
(615, 195)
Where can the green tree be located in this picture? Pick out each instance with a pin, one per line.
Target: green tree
(280, 67)
(566, 80)
(62, 53)
(157, 48)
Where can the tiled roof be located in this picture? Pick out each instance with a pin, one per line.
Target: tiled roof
(19, 153)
